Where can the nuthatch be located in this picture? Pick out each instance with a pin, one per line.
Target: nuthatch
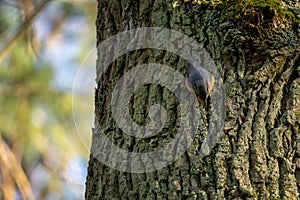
(198, 80)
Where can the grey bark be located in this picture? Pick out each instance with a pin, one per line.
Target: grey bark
(258, 156)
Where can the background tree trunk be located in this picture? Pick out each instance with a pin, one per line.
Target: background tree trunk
(258, 156)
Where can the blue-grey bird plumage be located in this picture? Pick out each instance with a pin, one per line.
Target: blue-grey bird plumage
(198, 80)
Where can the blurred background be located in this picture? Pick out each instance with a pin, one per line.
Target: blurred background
(47, 81)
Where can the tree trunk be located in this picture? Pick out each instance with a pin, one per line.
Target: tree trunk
(258, 60)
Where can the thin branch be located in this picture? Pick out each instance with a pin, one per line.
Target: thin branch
(22, 29)
(9, 161)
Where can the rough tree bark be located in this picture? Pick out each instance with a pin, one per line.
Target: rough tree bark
(258, 156)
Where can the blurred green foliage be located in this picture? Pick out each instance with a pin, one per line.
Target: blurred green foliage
(36, 117)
